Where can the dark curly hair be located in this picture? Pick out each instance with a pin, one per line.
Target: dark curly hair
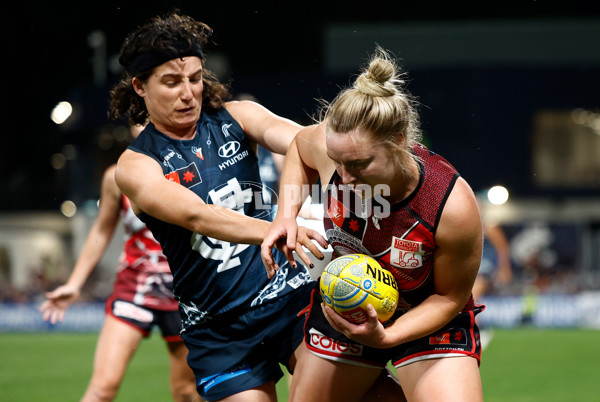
(162, 34)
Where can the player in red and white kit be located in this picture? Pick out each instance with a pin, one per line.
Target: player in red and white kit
(142, 298)
(143, 278)
(387, 196)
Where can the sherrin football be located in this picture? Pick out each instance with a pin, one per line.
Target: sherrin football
(351, 282)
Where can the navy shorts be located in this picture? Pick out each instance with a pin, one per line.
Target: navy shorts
(143, 319)
(460, 337)
(243, 352)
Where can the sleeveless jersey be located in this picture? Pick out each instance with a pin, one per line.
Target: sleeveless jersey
(403, 242)
(143, 277)
(212, 276)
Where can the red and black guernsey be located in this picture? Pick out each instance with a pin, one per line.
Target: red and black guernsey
(143, 277)
(400, 236)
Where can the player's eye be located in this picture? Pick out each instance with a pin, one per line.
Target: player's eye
(360, 165)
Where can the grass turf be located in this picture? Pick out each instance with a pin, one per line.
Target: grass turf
(547, 365)
(519, 365)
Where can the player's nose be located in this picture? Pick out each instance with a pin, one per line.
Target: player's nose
(347, 176)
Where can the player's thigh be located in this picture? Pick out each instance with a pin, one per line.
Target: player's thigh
(263, 393)
(386, 388)
(319, 379)
(116, 346)
(445, 380)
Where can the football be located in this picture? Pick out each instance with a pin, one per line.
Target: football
(351, 282)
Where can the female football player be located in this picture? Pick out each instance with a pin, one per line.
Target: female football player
(142, 298)
(387, 196)
(192, 176)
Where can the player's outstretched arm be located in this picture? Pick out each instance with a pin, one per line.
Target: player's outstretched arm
(299, 171)
(101, 233)
(141, 179)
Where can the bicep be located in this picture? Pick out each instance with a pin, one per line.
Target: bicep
(312, 149)
(264, 127)
(459, 240)
(108, 213)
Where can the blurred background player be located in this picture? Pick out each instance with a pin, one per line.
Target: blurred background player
(142, 298)
(495, 270)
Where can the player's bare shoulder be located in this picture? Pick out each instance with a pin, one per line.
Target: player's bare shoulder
(313, 149)
(126, 168)
(460, 218)
(245, 111)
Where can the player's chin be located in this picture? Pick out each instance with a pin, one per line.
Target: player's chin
(364, 190)
(186, 118)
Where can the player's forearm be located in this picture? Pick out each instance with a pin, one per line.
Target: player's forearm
(80, 274)
(429, 316)
(90, 256)
(294, 184)
(225, 224)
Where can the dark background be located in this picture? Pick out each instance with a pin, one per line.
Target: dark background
(480, 118)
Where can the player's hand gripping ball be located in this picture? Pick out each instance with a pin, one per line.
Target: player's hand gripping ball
(350, 283)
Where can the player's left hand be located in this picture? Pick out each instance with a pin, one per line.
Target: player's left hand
(370, 333)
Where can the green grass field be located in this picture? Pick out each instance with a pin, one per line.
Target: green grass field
(519, 365)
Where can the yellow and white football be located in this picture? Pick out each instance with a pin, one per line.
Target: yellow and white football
(351, 282)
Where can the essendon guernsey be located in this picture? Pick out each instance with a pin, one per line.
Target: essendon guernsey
(403, 239)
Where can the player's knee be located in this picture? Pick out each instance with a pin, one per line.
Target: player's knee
(103, 387)
(184, 391)
(101, 392)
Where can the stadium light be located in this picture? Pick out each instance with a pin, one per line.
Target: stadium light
(68, 208)
(61, 112)
(497, 195)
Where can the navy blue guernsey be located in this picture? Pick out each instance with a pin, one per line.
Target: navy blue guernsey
(212, 277)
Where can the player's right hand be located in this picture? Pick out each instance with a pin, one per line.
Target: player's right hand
(305, 239)
(281, 234)
(57, 302)
(288, 237)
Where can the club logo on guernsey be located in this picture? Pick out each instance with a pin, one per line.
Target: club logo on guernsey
(232, 196)
(345, 219)
(225, 129)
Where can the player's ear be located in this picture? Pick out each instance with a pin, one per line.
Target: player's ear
(138, 86)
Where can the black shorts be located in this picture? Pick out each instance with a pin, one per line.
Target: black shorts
(460, 337)
(143, 319)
